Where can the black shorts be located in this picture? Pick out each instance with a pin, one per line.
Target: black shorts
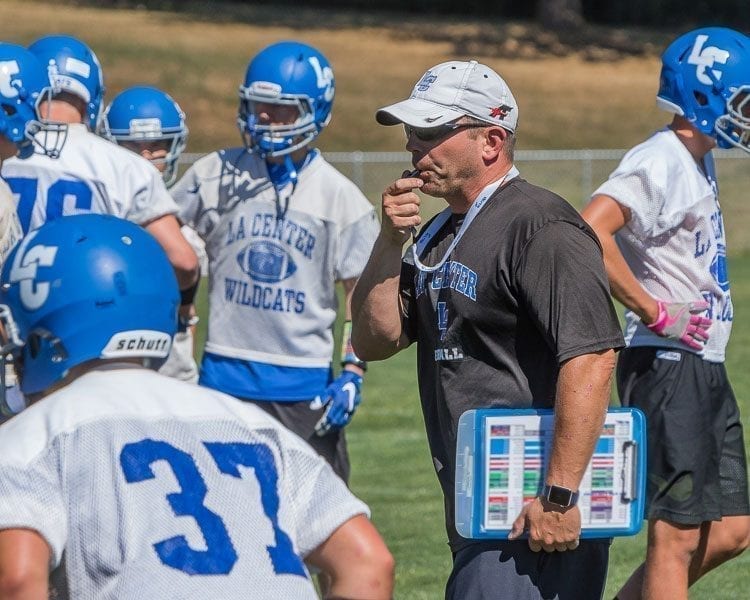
(301, 419)
(510, 571)
(697, 470)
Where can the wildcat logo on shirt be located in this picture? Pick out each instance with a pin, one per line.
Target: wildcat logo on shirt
(266, 262)
(268, 257)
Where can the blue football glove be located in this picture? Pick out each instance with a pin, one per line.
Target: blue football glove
(341, 398)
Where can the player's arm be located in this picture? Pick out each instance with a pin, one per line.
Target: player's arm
(606, 216)
(344, 394)
(580, 409)
(684, 321)
(166, 230)
(24, 560)
(377, 328)
(357, 562)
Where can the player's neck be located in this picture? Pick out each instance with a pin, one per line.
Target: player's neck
(696, 142)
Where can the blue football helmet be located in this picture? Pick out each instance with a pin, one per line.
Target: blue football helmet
(85, 287)
(74, 68)
(146, 114)
(705, 77)
(288, 74)
(24, 83)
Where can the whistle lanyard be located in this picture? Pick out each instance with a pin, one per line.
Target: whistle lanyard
(418, 247)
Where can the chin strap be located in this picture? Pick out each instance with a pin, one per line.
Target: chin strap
(282, 175)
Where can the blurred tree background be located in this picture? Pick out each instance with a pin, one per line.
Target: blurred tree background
(570, 14)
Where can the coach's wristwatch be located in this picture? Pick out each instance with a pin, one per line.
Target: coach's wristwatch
(560, 496)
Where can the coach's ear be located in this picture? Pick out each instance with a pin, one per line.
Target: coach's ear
(494, 142)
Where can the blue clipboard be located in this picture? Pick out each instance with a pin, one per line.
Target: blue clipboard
(501, 459)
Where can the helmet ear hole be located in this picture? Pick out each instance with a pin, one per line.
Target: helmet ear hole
(700, 98)
(34, 345)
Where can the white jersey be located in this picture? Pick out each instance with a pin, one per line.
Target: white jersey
(272, 295)
(148, 487)
(10, 227)
(674, 242)
(91, 175)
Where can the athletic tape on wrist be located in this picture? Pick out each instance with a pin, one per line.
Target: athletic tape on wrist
(348, 357)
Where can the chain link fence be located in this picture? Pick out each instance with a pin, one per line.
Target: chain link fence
(573, 174)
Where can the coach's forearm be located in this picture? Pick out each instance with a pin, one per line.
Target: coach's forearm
(377, 331)
(583, 390)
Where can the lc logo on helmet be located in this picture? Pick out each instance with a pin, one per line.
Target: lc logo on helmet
(33, 294)
(705, 58)
(324, 75)
(9, 68)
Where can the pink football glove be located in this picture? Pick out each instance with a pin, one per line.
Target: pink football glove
(682, 321)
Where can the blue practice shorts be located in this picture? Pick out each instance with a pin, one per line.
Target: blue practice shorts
(697, 469)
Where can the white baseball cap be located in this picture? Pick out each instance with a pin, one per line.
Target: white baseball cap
(451, 90)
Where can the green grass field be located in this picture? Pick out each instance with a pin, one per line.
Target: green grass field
(581, 98)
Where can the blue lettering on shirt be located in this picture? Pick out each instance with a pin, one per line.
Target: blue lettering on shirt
(263, 297)
(268, 226)
(453, 275)
(701, 247)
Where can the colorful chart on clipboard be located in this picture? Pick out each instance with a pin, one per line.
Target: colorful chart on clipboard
(501, 458)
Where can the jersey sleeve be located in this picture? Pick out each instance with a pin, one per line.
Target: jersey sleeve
(639, 183)
(356, 242)
(561, 280)
(190, 195)
(358, 228)
(186, 195)
(151, 200)
(32, 499)
(322, 502)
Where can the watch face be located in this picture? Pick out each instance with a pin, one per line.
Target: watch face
(559, 495)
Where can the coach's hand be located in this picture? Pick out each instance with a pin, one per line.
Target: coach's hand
(549, 527)
(341, 398)
(682, 321)
(401, 208)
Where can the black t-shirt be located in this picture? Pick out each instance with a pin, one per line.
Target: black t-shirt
(524, 290)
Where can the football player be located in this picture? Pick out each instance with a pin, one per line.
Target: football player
(92, 174)
(282, 227)
(149, 122)
(661, 228)
(118, 482)
(24, 83)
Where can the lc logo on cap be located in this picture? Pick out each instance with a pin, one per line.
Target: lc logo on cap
(452, 90)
